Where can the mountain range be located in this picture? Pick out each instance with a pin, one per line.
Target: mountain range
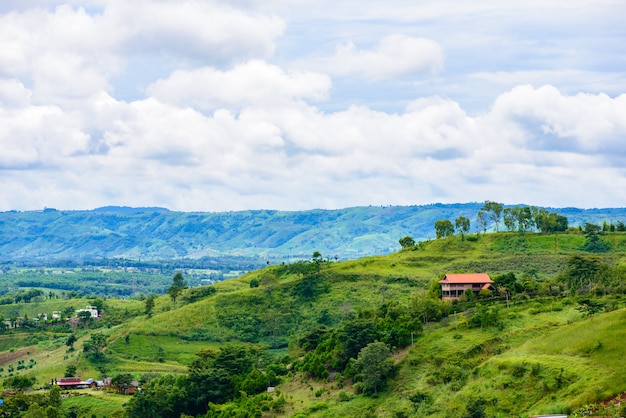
(159, 234)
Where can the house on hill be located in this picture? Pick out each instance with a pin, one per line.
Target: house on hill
(93, 311)
(73, 383)
(453, 286)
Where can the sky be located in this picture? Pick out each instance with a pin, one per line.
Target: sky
(301, 104)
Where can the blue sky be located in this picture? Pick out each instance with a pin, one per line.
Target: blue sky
(281, 104)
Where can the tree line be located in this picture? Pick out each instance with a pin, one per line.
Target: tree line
(515, 218)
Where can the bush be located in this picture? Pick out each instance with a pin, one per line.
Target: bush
(344, 396)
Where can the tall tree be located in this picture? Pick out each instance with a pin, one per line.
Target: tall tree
(443, 228)
(94, 347)
(317, 260)
(510, 219)
(582, 271)
(177, 287)
(481, 221)
(547, 221)
(593, 241)
(494, 209)
(462, 225)
(150, 305)
(375, 364)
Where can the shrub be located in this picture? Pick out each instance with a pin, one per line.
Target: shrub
(344, 396)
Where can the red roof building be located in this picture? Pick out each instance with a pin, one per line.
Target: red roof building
(72, 383)
(453, 286)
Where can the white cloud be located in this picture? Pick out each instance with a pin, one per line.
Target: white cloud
(210, 31)
(395, 55)
(237, 108)
(39, 136)
(252, 83)
(70, 54)
(584, 122)
(13, 93)
(294, 156)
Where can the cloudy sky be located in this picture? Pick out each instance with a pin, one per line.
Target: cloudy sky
(298, 104)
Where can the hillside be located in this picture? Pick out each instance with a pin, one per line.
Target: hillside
(547, 352)
(160, 234)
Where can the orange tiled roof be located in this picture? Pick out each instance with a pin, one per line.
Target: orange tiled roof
(466, 278)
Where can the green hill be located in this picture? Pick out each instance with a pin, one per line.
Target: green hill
(160, 234)
(556, 348)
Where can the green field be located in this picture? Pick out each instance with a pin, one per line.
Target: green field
(543, 353)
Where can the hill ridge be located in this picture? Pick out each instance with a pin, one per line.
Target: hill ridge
(158, 233)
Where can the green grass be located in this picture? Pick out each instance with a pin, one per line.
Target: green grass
(158, 349)
(544, 357)
(96, 403)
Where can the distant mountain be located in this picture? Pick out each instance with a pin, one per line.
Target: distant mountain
(157, 233)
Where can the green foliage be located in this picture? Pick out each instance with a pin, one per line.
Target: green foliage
(375, 364)
(475, 408)
(407, 242)
(508, 282)
(590, 307)
(485, 316)
(70, 370)
(462, 225)
(198, 293)
(443, 228)
(149, 305)
(94, 347)
(549, 222)
(19, 382)
(71, 339)
(426, 308)
(377, 292)
(493, 211)
(177, 287)
(122, 381)
(594, 243)
(582, 271)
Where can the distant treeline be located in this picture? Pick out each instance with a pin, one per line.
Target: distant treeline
(223, 263)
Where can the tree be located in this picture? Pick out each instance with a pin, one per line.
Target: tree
(177, 287)
(407, 242)
(375, 364)
(546, 221)
(70, 341)
(582, 271)
(425, 308)
(85, 317)
(494, 209)
(122, 382)
(18, 382)
(593, 241)
(34, 411)
(150, 305)
(317, 260)
(353, 336)
(462, 225)
(481, 221)
(70, 370)
(54, 396)
(509, 219)
(443, 228)
(95, 346)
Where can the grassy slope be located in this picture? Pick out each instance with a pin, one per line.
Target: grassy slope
(517, 368)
